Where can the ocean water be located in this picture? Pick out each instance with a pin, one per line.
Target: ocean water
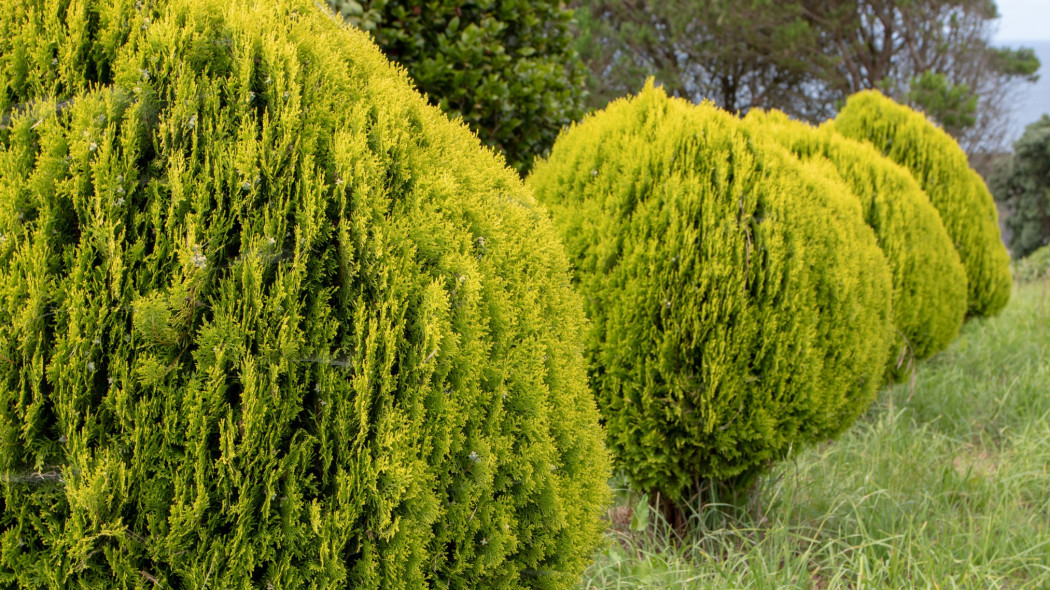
(1034, 100)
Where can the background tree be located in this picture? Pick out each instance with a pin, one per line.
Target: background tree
(934, 55)
(1022, 183)
(507, 67)
(740, 54)
(805, 57)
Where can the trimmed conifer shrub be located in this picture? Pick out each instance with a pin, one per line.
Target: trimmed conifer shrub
(739, 306)
(929, 282)
(942, 170)
(270, 321)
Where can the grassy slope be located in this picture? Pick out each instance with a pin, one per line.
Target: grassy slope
(944, 484)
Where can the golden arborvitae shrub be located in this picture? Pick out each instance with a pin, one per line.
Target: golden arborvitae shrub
(929, 282)
(268, 320)
(943, 171)
(740, 307)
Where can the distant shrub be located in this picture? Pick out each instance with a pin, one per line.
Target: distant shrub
(267, 320)
(1034, 267)
(507, 67)
(739, 307)
(929, 282)
(942, 170)
(1023, 185)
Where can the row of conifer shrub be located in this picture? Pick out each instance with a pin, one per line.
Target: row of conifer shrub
(751, 283)
(269, 320)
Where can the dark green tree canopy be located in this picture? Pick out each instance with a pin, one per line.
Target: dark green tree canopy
(270, 320)
(507, 67)
(1022, 183)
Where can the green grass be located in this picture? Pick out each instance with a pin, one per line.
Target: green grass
(943, 484)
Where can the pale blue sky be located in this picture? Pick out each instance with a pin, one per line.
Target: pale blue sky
(1027, 20)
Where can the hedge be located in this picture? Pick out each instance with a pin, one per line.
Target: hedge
(507, 67)
(929, 282)
(267, 320)
(942, 170)
(1022, 183)
(740, 307)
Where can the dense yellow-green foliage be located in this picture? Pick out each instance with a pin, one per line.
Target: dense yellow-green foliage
(740, 307)
(942, 170)
(929, 282)
(267, 320)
